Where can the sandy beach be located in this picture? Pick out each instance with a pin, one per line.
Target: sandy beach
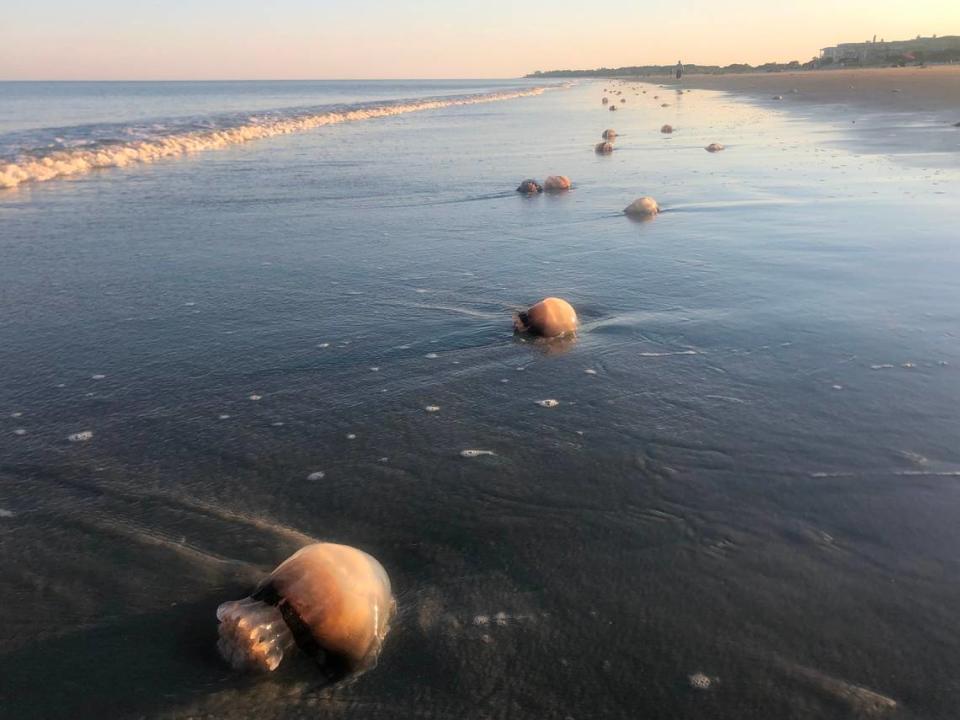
(912, 89)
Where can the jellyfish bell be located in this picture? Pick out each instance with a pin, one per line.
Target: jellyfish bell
(333, 602)
(605, 101)
(613, 108)
(714, 147)
(549, 318)
(530, 187)
(603, 148)
(667, 129)
(644, 207)
(556, 183)
(610, 134)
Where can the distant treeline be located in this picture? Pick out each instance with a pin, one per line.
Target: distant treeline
(635, 70)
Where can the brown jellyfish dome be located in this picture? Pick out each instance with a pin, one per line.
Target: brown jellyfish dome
(667, 129)
(613, 108)
(610, 134)
(714, 147)
(604, 148)
(551, 317)
(605, 101)
(642, 207)
(556, 183)
(333, 601)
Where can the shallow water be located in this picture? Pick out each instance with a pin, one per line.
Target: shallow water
(752, 471)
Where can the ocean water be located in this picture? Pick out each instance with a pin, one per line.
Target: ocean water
(214, 352)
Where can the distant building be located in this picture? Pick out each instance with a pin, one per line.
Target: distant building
(874, 52)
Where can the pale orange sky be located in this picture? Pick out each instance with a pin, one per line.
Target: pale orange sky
(177, 39)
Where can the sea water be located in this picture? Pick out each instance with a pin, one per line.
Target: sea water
(742, 504)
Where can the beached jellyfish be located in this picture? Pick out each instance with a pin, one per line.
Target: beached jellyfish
(609, 134)
(642, 207)
(613, 108)
(551, 317)
(604, 148)
(556, 183)
(664, 104)
(699, 681)
(714, 147)
(605, 101)
(623, 100)
(667, 129)
(530, 187)
(333, 602)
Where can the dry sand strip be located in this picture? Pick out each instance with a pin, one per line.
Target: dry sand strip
(910, 89)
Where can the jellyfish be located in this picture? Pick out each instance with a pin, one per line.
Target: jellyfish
(605, 101)
(623, 100)
(603, 148)
(714, 147)
(613, 108)
(551, 317)
(556, 183)
(610, 134)
(642, 207)
(332, 601)
(530, 187)
(667, 129)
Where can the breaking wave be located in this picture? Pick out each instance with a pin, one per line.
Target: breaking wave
(39, 165)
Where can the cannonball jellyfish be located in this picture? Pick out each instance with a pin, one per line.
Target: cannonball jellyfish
(667, 129)
(604, 148)
(556, 183)
(610, 134)
(551, 317)
(530, 187)
(613, 108)
(642, 207)
(714, 147)
(333, 602)
(605, 101)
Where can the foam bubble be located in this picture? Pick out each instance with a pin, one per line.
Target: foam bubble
(432, 408)
(97, 377)
(317, 475)
(475, 453)
(548, 403)
(19, 431)
(43, 165)
(81, 436)
(255, 397)
(5, 513)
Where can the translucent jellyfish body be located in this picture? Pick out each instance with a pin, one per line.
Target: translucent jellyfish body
(551, 317)
(642, 207)
(333, 602)
(530, 187)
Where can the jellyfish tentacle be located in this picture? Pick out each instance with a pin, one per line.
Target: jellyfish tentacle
(253, 634)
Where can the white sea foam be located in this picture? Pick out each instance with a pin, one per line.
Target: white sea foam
(39, 166)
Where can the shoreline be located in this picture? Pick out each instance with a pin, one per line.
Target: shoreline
(934, 89)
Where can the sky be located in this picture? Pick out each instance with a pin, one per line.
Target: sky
(264, 39)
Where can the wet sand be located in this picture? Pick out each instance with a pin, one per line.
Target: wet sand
(911, 89)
